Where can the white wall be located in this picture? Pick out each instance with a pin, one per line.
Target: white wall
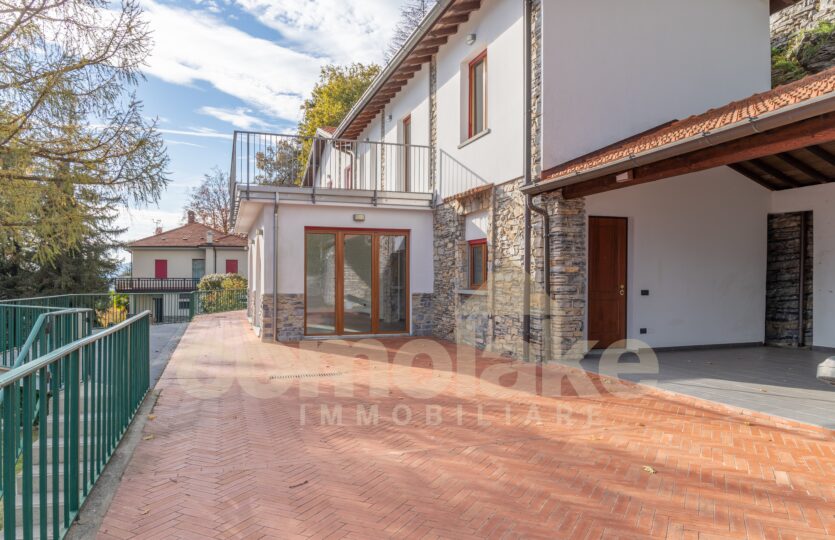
(698, 243)
(821, 201)
(614, 68)
(179, 261)
(293, 218)
(498, 156)
(260, 268)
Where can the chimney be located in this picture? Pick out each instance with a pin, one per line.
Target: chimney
(158, 230)
(191, 216)
(210, 237)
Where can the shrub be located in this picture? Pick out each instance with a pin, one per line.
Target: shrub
(221, 292)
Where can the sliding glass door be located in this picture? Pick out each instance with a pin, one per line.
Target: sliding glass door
(356, 282)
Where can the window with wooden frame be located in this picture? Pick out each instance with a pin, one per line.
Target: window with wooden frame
(477, 95)
(478, 263)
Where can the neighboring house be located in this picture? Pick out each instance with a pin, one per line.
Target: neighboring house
(423, 211)
(174, 261)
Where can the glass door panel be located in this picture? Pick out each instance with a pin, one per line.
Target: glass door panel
(320, 283)
(357, 276)
(393, 289)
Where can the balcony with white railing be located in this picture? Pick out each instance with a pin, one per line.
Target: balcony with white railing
(318, 165)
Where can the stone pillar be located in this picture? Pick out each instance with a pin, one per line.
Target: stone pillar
(290, 317)
(568, 272)
(266, 307)
(536, 90)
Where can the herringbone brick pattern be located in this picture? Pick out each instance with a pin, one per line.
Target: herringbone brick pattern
(239, 447)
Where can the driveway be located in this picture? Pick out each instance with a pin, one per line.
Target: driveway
(372, 440)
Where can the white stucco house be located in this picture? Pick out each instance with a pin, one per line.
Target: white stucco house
(685, 202)
(168, 265)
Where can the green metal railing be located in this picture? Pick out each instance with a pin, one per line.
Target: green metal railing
(218, 301)
(165, 307)
(61, 417)
(47, 327)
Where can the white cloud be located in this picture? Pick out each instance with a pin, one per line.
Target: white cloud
(183, 143)
(240, 117)
(197, 132)
(192, 46)
(343, 31)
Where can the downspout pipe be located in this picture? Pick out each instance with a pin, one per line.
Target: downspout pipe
(275, 268)
(526, 142)
(545, 349)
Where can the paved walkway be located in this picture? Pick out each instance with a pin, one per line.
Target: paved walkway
(251, 440)
(776, 381)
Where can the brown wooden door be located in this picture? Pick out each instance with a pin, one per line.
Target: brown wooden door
(607, 280)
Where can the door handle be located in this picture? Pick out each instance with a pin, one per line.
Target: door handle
(622, 290)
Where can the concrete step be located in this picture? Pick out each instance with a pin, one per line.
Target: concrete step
(36, 455)
(36, 508)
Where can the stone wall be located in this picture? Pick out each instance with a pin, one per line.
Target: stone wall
(568, 272)
(421, 314)
(290, 317)
(265, 307)
(800, 45)
(804, 15)
(508, 278)
(783, 280)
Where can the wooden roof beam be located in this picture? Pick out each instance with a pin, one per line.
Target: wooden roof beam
(751, 175)
(822, 153)
(814, 131)
(454, 19)
(775, 172)
(803, 167)
(465, 6)
(444, 31)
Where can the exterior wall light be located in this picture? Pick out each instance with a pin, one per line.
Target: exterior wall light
(359, 217)
(470, 39)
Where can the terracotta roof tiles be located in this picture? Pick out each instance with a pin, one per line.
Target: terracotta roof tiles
(791, 94)
(190, 235)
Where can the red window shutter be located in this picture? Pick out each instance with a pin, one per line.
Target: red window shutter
(231, 266)
(161, 268)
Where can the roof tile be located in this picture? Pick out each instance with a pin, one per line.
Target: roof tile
(791, 94)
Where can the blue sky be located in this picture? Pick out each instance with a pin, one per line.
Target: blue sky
(221, 65)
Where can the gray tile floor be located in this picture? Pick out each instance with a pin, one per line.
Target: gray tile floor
(775, 381)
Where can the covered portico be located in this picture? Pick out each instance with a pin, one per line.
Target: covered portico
(715, 230)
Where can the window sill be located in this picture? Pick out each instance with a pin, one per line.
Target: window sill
(472, 292)
(474, 138)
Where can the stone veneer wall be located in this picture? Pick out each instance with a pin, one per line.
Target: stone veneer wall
(265, 306)
(804, 15)
(508, 279)
(783, 280)
(290, 317)
(568, 273)
(421, 308)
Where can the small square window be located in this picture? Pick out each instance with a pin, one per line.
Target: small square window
(478, 263)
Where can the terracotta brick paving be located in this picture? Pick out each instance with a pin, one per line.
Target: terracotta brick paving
(239, 447)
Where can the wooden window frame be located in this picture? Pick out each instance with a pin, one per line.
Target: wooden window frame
(472, 244)
(339, 236)
(471, 94)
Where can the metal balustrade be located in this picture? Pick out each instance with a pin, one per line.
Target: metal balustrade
(269, 159)
(155, 284)
(62, 415)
